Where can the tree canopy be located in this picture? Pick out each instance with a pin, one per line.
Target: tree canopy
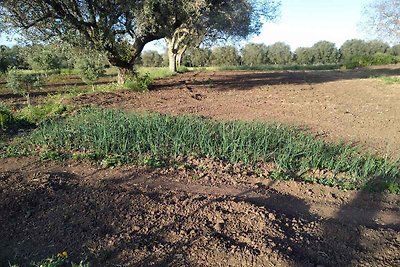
(382, 17)
(219, 20)
(120, 28)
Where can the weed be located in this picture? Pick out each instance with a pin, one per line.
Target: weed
(139, 83)
(390, 80)
(59, 260)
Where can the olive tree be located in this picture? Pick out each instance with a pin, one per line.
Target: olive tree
(151, 59)
(225, 56)
(353, 48)
(325, 52)
(119, 28)
(218, 20)
(279, 53)
(304, 56)
(254, 54)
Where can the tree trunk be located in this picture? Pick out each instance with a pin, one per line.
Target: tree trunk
(172, 60)
(178, 60)
(122, 73)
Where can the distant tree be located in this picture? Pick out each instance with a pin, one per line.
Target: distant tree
(225, 56)
(304, 56)
(151, 59)
(325, 52)
(279, 53)
(197, 57)
(395, 50)
(377, 46)
(353, 48)
(44, 58)
(254, 54)
(90, 64)
(12, 57)
(24, 83)
(382, 18)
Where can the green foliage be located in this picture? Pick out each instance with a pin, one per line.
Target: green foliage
(325, 52)
(377, 59)
(36, 114)
(139, 83)
(11, 58)
(395, 50)
(89, 70)
(197, 57)
(376, 46)
(23, 82)
(110, 133)
(225, 56)
(59, 260)
(151, 59)
(390, 80)
(279, 53)
(254, 54)
(6, 117)
(353, 48)
(44, 58)
(304, 56)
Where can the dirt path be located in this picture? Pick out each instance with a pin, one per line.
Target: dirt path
(210, 214)
(333, 104)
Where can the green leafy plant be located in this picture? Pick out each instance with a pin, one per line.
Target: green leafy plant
(24, 82)
(90, 70)
(138, 82)
(59, 260)
(152, 138)
(6, 117)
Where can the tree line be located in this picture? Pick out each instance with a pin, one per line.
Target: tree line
(119, 30)
(353, 53)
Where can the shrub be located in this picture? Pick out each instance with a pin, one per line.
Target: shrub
(6, 117)
(377, 59)
(90, 70)
(138, 82)
(45, 59)
(23, 82)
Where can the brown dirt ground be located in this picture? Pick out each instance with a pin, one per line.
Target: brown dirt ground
(209, 213)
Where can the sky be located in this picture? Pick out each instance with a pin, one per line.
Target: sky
(303, 23)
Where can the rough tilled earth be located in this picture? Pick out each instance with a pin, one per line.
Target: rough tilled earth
(205, 214)
(336, 105)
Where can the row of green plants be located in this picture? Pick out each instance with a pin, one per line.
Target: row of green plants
(115, 137)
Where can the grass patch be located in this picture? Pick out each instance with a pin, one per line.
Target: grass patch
(117, 137)
(390, 80)
(274, 67)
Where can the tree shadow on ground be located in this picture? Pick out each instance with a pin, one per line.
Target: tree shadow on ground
(247, 80)
(115, 222)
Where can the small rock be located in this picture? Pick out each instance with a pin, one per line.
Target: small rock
(271, 216)
(218, 226)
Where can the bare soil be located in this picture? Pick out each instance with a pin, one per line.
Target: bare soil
(207, 213)
(210, 214)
